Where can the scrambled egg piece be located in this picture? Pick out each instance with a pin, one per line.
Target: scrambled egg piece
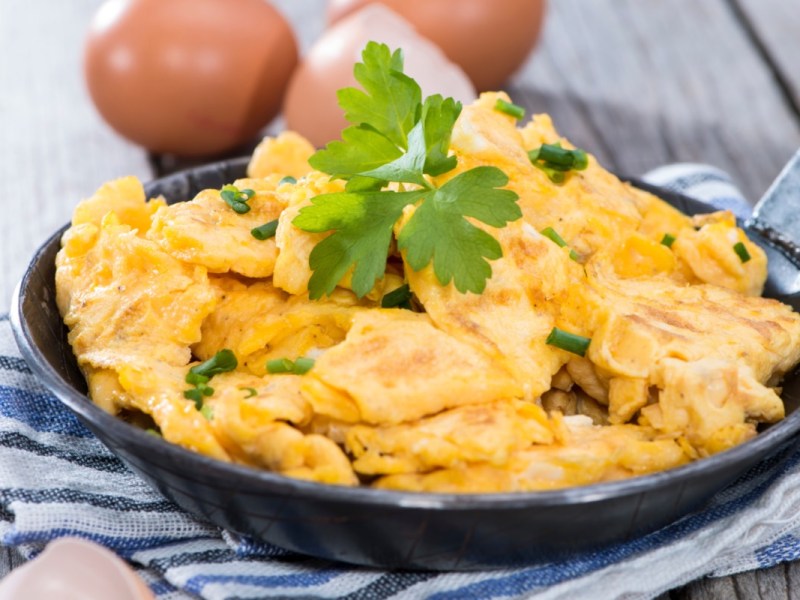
(456, 437)
(456, 392)
(207, 232)
(286, 155)
(438, 371)
(483, 319)
(593, 208)
(586, 454)
(122, 296)
(259, 322)
(257, 420)
(125, 198)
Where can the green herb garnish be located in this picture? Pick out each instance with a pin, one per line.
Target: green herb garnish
(397, 137)
(279, 365)
(199, 376)
(301, 366)
(577, 344)
(196, 378)
(250, 392)
(222, 362)
(509, 108)
(287, 179)
(552, 235)
(668, 240)
(237, 199)
(556, 161)
(196, 395)
(398, 298)
(265, 231)
(741, 251)
(207, 411)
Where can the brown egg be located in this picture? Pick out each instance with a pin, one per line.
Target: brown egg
(311, 107)
(489, 40)
(190, 77)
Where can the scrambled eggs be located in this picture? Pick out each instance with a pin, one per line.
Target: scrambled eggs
(462, 393)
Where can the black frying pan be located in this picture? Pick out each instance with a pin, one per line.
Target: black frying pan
(399, 529)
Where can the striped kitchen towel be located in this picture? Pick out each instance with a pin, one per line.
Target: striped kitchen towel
(57, 479)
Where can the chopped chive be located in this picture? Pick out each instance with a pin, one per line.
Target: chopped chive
(555, 161)
(556, 155)
(740, 249)
(397, 298)
(196, 395)
(265, 231)
(577, 344)
(196, 378)
(553, 175)
(151, 431)
(287, 179)
(509, 108)
(555, 167)
(229, 193)
(303, 365)
(668, 240)
(250, 392)
(551, 234)
(580, 159)
(236, 198)
(207, 411)
(280, 365)
(199, 375)
(222, 362)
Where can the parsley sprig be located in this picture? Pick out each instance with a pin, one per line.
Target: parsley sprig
(397, 137)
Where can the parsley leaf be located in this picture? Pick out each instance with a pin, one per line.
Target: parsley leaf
(361, 149)
(362, 224)
(439, 231)
(391, 98)
(440, 115)
(408, 167)
(397, 137)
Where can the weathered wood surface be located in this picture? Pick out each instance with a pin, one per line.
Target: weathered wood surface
(646, 83)
(54, 148)
(773, 25)
(639, 83)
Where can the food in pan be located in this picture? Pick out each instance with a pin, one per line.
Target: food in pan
(445, 300)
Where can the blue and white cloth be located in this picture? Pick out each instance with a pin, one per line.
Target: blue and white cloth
(57, 479)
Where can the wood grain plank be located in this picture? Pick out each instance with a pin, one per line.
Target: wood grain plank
(646, 83)
(55, 148)
(772, 583)
(708, 589)
(792, 575)
(765, 584)
(775, 24)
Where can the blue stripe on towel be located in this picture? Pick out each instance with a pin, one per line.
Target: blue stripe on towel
(41, 411)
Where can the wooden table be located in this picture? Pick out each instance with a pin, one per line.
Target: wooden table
(638, 82)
